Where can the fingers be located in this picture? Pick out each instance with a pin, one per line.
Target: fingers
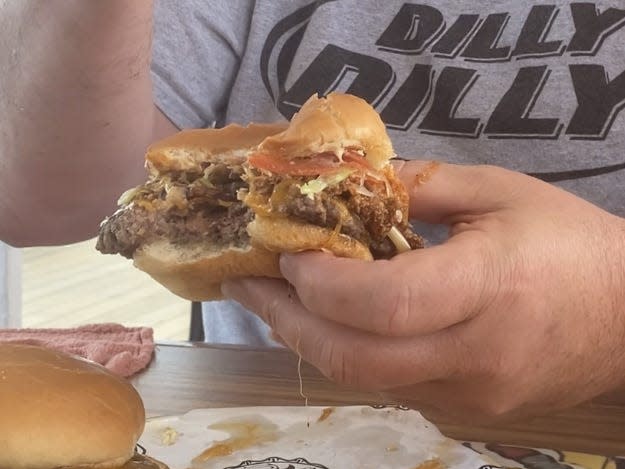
(445, 400)
(445, 193)
(417, 293)
(345, 355)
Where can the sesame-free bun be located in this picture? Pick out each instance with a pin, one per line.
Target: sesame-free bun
(188, 149)
(286, 235)
(196, 271)
(333, 123)
(57, 410)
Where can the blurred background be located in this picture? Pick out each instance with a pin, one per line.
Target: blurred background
(73, 285)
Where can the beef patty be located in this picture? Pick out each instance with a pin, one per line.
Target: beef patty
(186, 207)
(130, 228)
(181, 208)
(360, 214)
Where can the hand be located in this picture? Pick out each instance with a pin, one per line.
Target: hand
(521, 311)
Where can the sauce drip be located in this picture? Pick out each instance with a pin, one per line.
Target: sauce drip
(325, 414)
(426, 173)
(243, 435)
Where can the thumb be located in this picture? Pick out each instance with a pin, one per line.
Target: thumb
(447, 193)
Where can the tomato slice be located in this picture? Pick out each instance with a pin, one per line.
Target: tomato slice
(322, 163)
(351, 157)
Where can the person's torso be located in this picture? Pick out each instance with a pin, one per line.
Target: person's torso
(532, 86)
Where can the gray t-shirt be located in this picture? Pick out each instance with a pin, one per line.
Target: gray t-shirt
(532, 86)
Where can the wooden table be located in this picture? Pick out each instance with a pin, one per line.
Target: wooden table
(187, 376)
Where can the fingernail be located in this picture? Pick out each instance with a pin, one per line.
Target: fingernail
(287, 257)
(286, 262)
(276, 338)
(397, 164)
(229, 288)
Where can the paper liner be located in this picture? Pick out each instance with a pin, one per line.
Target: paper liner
(305, 438)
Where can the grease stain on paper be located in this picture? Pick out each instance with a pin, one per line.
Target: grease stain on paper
(245, 432)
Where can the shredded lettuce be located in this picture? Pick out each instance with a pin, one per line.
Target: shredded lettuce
(312, 187)
(128, 196)
(315, 186)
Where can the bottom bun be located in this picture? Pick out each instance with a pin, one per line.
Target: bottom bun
(285, 235)
(196, 271)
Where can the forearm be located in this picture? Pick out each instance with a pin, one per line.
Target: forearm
(619, 276)
(77, 113)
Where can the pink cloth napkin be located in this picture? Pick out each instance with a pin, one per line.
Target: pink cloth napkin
(123, 350)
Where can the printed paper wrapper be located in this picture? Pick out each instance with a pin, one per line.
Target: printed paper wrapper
(509, 456)
(305, 438)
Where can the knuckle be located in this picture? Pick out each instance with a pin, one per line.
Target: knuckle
(309, 290)
(491, 170)
(496, 405)
(303, 284)
(499, 398)
(398, 320)
(340, 364)
(271, 312)
(478, 359)
(487, 174)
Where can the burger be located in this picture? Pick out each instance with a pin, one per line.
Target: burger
(223, 203)
(59, 411)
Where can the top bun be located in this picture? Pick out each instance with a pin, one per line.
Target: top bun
(187, 149)
(333, 123)
(57, 410)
